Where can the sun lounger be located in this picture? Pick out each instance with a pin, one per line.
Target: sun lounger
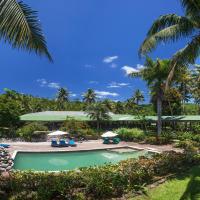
(72, 143)
(54, 143)
(106, 141)
(4, 145)
(63, 143)
(116, 140)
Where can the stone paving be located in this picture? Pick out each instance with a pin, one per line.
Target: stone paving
(86, 145)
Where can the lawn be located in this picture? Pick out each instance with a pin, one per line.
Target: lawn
(184, 187)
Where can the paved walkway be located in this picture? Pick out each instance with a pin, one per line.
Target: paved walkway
(88, 145)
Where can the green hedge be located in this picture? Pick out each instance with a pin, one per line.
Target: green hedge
(131, 134)
(103, 182)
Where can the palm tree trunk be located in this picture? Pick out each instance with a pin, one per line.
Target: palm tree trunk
(98, 126)
(159, 115)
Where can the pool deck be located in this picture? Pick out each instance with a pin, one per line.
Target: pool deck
(87, 145)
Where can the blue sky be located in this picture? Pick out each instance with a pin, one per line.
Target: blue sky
(93, 44)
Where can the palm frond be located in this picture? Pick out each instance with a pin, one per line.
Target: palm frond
(156, 35)
(189, 53)
(185, 56)
(192, 7)
(20, 27)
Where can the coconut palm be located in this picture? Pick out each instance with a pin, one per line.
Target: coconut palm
(138, 97)
(184, 88)
(97, 112)
(62, 97)
(90, 96)
(195, 86)
(109, 104)
(172, 27)
(20, 27)
(155, 74)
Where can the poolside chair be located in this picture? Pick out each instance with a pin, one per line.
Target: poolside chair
(106, 141)
(54, 143)
(4, 145)
(116, 140)
(62, 143)
(72, 143)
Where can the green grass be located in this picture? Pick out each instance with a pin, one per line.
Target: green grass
(185, 187)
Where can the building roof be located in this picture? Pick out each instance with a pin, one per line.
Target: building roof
(56, 116)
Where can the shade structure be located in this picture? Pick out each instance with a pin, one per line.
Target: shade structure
(58, 133)
(109, 134)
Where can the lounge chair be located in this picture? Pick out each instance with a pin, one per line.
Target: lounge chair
(62, 143)
(54, 143)
(72, 143)
(106, 141)
(4, 145)
(116, 140)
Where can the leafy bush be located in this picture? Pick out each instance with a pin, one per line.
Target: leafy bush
(105, 182)
(160, 141)
(196, 129)
(79, 129)
(133, 134)
(27, 131)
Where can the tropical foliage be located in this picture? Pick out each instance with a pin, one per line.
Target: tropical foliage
(90, 96)
(105, 182)
(172, 27)
(98, 112)
(20, 27)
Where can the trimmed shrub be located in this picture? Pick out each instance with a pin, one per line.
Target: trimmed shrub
(27, 131)
(133, 134)
(105, 182)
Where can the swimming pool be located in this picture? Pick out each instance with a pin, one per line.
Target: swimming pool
(57, 161)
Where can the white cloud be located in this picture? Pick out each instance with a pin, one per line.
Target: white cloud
(44, 83)
(128, 70)
(103, 94)
(117, 85)
(93, 82)
(73, 95)
(110, 59)
(53, 85)
(139, 66)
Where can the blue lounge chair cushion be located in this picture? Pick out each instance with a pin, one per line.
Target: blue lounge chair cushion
(72, 143)
(63, 143)
(4, 145)
(54, 143)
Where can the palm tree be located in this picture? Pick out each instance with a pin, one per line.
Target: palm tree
(109, 104)
(119, 108)
(172, 27)
(184, 88)
(138, 96)
(98, 112)
(20, 27)
(155, 74)
(62, 97)
(89, 97)
(195, 86)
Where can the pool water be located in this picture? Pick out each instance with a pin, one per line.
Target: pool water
(57, 161)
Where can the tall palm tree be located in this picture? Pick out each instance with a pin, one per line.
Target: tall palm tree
(184, 88)
(90, 96)
(62, 97)
(155, 74)
(98, 112)
(172, 27)
(138, 96)
(20, 27)
(195, 86)
(109, 104)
